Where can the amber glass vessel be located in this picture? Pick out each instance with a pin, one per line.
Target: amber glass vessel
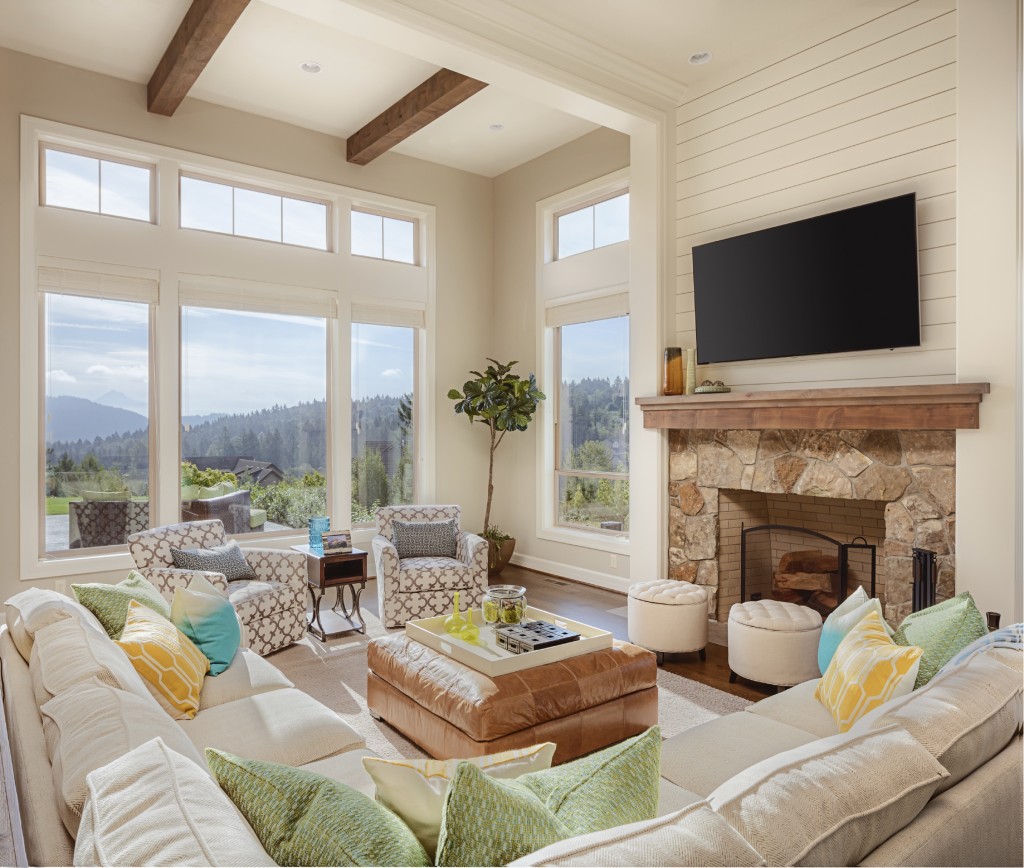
(673, 380)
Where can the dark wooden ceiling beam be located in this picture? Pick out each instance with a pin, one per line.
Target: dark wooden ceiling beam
(199, 35)
(425, 103)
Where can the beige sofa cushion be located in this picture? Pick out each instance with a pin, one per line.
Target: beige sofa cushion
(92, 724)
(833, 801)
(798, 707)
(701, 758)
(283, 726)
(34, 608)
(153, 806)
(693, 836)
(964, 717)
(67, 653)
(247, 675)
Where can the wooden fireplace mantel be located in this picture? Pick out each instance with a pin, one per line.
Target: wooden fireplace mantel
(952, 405)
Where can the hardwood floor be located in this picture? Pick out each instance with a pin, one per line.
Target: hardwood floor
(597, 607)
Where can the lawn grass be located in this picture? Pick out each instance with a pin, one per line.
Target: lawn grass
(58, 505)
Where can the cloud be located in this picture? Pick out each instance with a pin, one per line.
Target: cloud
(131, 372)
(391, 372)
(60, 376)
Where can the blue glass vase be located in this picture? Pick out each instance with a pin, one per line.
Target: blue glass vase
(318, 526)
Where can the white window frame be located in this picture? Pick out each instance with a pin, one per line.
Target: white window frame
(623, 191)
(393, 215)
(45, 145)
(560, 472)
(235, 185)
(170, 253)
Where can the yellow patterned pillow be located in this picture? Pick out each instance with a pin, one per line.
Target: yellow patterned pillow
(868, 669)
(171, 666)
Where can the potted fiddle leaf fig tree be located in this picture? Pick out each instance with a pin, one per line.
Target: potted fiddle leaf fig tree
(503, 402)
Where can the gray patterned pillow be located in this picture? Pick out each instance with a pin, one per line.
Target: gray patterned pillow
(425, 539)
(227, 559)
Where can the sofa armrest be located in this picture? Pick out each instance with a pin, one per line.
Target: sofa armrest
(385, 556)
(279, 565)
(473, 549)
(167, 579)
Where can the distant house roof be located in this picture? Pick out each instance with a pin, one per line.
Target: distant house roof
(262, 472)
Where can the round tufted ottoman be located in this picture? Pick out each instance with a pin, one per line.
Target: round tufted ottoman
(773, 643)
(667, 616)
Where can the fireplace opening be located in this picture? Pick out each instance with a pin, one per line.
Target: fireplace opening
(776, 563)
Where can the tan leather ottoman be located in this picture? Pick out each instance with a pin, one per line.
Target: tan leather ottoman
(450, 710)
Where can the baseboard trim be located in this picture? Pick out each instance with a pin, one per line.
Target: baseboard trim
(576, 574)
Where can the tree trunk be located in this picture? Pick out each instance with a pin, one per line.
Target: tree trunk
(490, 481)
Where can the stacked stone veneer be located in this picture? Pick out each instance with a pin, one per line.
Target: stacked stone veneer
(913, 472)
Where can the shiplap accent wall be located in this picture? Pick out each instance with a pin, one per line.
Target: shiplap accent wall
(866, 114)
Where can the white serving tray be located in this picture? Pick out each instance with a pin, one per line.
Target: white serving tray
(494, 661)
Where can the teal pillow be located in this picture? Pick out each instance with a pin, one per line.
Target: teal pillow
(843, 619)
(488, 821)
(203, 614)
(303, 818)
(109, 603)
(941, 631)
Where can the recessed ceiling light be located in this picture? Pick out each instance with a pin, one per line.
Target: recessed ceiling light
(496, 128)
(310, 66)
(699, 57)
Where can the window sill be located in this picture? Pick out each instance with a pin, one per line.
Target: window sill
(585, 539)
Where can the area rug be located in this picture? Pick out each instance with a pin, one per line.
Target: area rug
(334, 672)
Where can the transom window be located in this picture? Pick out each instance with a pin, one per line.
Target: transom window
(87, 182)
(382, 237)
(592, 427)
(596, 225)
(214, 206)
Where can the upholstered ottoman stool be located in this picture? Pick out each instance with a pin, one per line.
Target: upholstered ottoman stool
(667, 616)
(773, 643)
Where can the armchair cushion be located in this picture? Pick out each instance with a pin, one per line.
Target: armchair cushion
(227, 559)
(414, 539)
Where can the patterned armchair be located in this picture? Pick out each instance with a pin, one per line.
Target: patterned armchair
(272, 608)
(423, 587)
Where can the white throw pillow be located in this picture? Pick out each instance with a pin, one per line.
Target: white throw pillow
(35, 608)
(415, 789)
(830, 802)
(92, 724)
(696, 835)
(67, 653)
(153, 806)
(964, 716)
(843, 619)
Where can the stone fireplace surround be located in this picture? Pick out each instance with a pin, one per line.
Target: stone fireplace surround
(893, 444)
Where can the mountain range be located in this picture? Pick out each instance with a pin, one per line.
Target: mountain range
(69, 418)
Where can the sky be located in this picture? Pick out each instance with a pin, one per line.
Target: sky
(232, 361)
(598, 349)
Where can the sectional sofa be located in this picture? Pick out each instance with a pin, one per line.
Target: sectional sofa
(964, 808)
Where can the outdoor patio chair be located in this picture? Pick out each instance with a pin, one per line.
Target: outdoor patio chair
(272, 607)
(420, 587)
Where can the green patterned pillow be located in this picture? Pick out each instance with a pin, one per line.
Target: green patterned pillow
(109, 603)
(303, 818)
(488, 821)
(941, 631)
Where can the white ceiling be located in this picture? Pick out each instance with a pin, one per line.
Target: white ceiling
(256, 69)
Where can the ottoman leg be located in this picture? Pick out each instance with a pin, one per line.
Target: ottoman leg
(703, 655)
(732, 677)
(659, 656)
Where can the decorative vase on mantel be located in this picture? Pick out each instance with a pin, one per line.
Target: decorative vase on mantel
(691, 370)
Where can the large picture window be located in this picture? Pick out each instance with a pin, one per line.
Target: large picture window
(383, 383)
(254, 441)
(96, 439)
(592, 428)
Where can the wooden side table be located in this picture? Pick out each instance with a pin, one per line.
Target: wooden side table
(335, 570)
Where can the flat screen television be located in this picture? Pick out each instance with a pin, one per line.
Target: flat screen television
(835, 283)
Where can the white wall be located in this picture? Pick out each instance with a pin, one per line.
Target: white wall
(989, 520)
(864, 115)
(925, 99)
(516, 194)
(464, 238)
